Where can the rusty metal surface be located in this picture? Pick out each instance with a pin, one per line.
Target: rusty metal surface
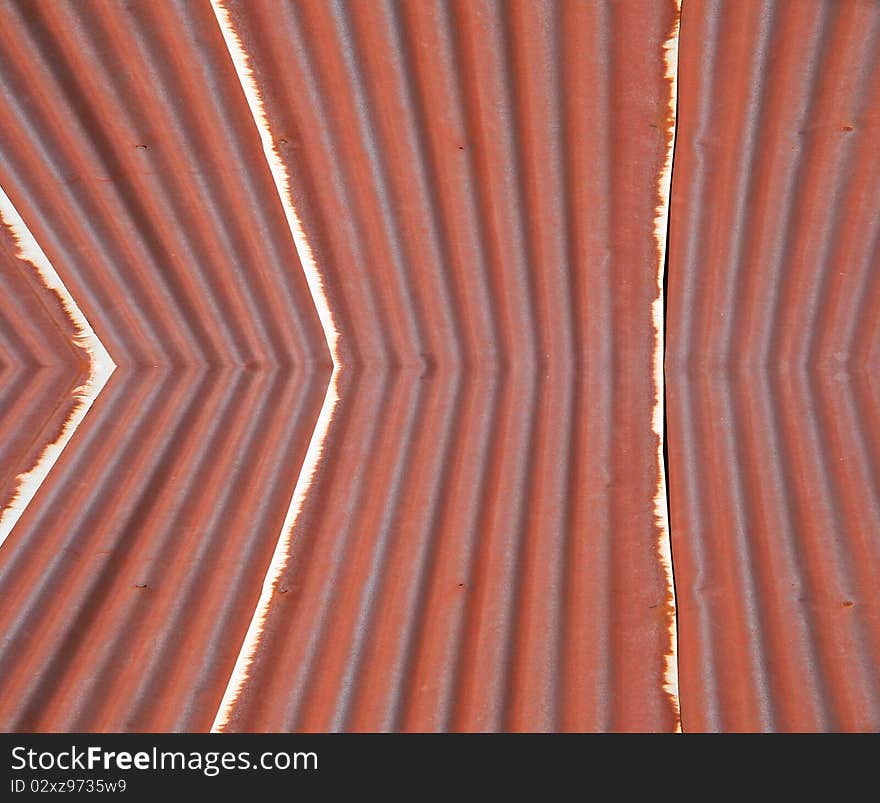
(127, 586)
(382, 285)
(478, 183)
(464, 530)
(772, 365)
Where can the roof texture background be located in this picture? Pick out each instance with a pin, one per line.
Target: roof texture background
(383, 448)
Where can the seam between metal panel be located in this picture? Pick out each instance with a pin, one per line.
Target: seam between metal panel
(658, 309)
(101, 366)
(331, 334)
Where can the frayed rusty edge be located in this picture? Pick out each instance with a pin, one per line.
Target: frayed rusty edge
(101, 366)
(252, 638)
(661, 509)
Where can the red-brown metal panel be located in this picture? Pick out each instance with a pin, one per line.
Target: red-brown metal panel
(478, 550)
(128, 148)
(772, 389)
(478, 512)
(459, 208)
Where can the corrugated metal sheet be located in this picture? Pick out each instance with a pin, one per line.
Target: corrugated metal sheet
(479, 184)
(772, 370)
(383, 285)
(127, 586)
(477, 538)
